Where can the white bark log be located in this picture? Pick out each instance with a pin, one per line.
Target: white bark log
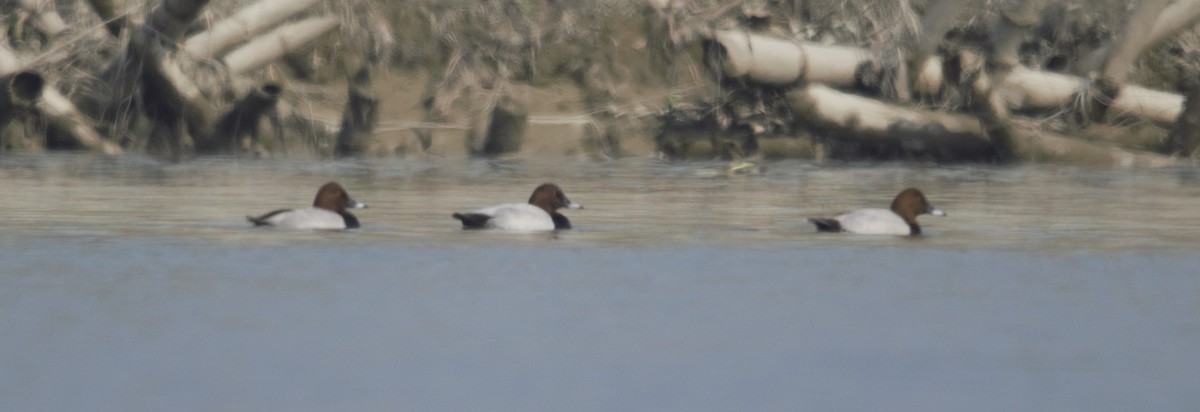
(278, 42)
(48, 19)
(1176, 17)
(1035, 146)
(930, 78)
(866, 114)
(658, 4)
(60, 110)
(243, 25)
(860, 118)
(1028, 89)
(765, 60)
(9, 62)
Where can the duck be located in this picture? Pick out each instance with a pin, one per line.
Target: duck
(901, 219)
(539, 214)
(328, 212)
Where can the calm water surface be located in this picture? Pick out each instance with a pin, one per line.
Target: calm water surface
(127, 284)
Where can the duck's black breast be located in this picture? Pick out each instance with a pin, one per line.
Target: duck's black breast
(560, 221)
(350, 219)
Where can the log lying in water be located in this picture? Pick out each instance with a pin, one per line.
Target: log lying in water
(889, 130)
(865, 122)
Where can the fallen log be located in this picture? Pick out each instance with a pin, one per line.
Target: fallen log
(772, 62)
(60, 113)
(1025, 89)
(278, 42)
(243, 25)
(65, 118)
(769, 61)
(878, 129)
(46, 18)
(19, 92)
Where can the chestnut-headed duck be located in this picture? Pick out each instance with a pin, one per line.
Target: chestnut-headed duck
(327, 212)
(541, 213)
(901, 219)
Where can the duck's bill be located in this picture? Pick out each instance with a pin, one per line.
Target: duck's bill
(573, 205)
(937, 212)
(357, 205)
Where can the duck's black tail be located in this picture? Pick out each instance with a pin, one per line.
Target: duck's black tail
(262, 220)
(825, 224)
(472, 220)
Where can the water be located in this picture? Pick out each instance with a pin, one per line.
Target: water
(129, 284)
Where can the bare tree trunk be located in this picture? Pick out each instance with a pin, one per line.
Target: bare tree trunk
(1177, 17)
(1133, 41)
(1174, 18)
(360, 116)
(169, 99)
(988, 101)
(243, 120)
(505, 127)
(171, 18)
(497, 123)
(109, 11)
(1184, 138)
